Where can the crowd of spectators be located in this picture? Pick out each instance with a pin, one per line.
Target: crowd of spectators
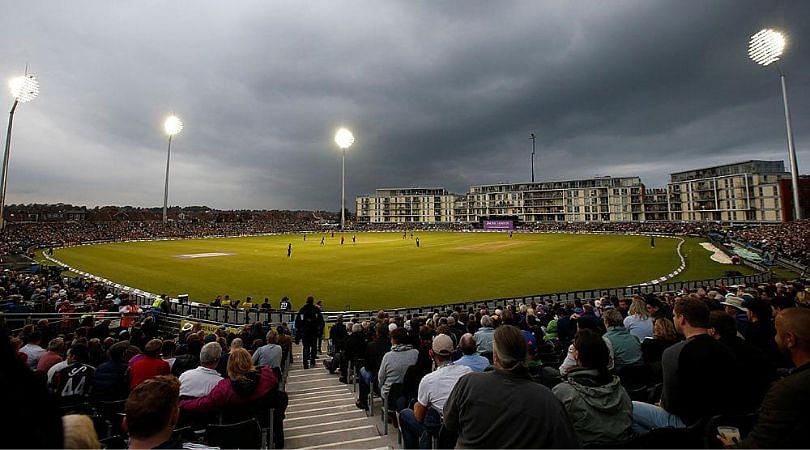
(608, 372)
(791, 239)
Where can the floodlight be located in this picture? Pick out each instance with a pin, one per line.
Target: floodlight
(173, 125)
(766, 46)
(344, 138)
(24, 88)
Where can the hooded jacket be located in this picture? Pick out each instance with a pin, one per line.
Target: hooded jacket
(602, 413)
(233, 393)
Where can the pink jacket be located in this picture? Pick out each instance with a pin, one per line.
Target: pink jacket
(228, 393)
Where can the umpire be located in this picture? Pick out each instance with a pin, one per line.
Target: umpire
(308, 324)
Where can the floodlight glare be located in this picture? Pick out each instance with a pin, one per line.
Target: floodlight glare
(766, 46)
(344, 138)
(173, 125)
(24, 88)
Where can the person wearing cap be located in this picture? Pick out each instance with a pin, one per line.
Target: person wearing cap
(426, 416)
(505, 408)
(733, 306)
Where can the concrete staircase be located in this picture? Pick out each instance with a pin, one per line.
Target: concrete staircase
(322, 414)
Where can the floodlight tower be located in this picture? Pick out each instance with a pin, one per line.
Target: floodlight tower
(24, 89)
(765, 48)
(172, 126)
(344, 139)
(533, 138)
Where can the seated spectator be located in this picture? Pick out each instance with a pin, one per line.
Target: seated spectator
(504, 408)
(32, 350)
(761, 331)
(657, 309)
(483, 337)
(626, 347)
(595, 400)
(638, 321)
(270, 353)
(111, 380)
(470, 358)
(191, 358)
(151, 365)
(200, 381)
(570, 361)
(396, 362)
(782, 421)
(664, 335)
(285, 341)
(167, 351)
(699, 375)
(352, 347)
(244, 386)
(755, 371)
(152, 413)
(79, 432)
(74, 383)
(56, 348)
(375, 350)
(425, 418)
(734, 308)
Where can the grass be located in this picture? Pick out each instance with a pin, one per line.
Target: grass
(382, 269)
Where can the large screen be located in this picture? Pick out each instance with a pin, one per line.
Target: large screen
(499, 224)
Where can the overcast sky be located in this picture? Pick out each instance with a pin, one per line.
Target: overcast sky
(437, 94)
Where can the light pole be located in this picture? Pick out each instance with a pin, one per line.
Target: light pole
(533, 138)
(765, 48)
(23, 89)
(344, 139)
(172, 126)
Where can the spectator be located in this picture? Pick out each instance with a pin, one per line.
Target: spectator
(698, 375)
(32, 350)
(375, 351)
(734, 308)
(782, 421)
(150, 365)
(191, 358)
(74, 383)
(761, 332)
(269, 354)
(595, 400)
(570, 361)
(626, 347)
(396, 362)
(425, 418)
(200, 381)
(504, 408)
(244, 386)
(308, 323)
(652, 349)
(152, 413)
(470, 359)
(638, 321)
(56, 348)
(111, 380)
(79, 432)
(337, 334)
(483, 337)
(167, 351)
(657, 310)
(354, 348)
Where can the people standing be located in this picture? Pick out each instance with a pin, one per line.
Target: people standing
(308, 322)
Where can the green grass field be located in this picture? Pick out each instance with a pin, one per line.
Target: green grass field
(383, 270)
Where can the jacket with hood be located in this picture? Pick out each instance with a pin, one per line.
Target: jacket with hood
(602, 413)
(233, 393)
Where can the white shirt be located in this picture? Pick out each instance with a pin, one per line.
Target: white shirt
(56, 368)
(198, 382)
(435, 387)
(34, 352)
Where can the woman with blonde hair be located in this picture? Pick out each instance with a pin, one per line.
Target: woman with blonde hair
(244, 385)
(638, 321)
(652, 349)
(79, 432)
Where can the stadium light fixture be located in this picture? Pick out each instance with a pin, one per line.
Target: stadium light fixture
(765, 48)
(173, 125)
(23, 89)
(533, 138)
(344, 139)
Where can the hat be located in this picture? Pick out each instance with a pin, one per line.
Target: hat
(407, 325)
(187, 327)
(392, 326)
(735, 302)
(108, 296)
(443, 345)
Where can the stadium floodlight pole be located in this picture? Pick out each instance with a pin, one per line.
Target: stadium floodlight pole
(765, 48)
(24, 89)
(344, 139)
(533, 138)
(172, 126)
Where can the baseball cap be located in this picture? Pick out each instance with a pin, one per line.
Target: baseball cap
(735, 302)
(443, 345)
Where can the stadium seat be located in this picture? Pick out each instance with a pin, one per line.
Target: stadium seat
(245, 434)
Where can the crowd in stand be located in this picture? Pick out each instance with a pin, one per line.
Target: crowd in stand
(609, 372)
(791, 240)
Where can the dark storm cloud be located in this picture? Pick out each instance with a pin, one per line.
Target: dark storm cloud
(437, 93)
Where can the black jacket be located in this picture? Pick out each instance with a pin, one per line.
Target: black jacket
(308, 322)
(784, 417)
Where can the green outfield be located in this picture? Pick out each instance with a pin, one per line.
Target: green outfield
(385, 270)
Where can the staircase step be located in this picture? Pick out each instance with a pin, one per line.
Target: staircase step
(331, 436)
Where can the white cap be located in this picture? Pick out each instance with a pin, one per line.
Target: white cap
(392, 327)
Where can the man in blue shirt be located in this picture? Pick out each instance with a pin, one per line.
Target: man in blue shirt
(470, 359)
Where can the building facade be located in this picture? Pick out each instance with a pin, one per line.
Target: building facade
(750, 191)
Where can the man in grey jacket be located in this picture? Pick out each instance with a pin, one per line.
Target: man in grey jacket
(483, 337)
(396, 362)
